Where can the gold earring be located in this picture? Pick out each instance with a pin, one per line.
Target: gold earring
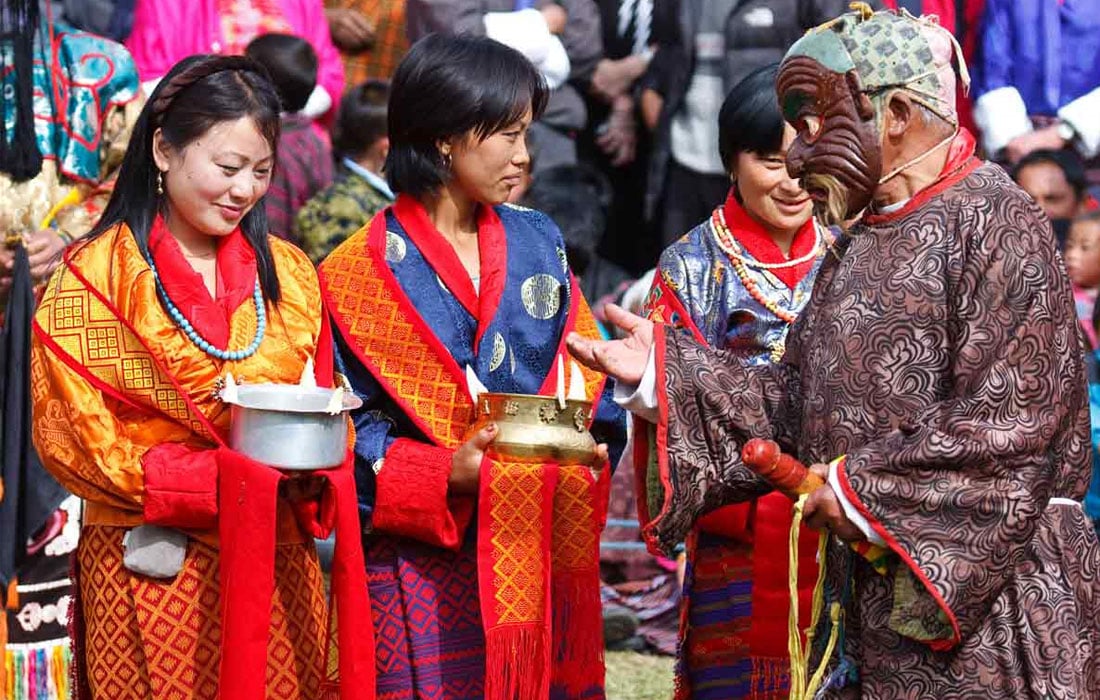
(160, 182)
(447, 161)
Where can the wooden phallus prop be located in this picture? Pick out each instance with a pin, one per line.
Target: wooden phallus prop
(789, 476)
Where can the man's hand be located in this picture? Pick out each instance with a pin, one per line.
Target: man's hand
(44, 250)
(624, 359)
(618, 138)
(350, 29)
(824, 512)
(1047, 138)
(612, 79)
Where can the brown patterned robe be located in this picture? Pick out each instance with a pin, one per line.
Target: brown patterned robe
(940, 353)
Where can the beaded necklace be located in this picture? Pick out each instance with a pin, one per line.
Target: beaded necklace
(724, 237)
(730, 247)
(202, 343)
(727, 243)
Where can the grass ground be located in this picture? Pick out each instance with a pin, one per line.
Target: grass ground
(634, 676)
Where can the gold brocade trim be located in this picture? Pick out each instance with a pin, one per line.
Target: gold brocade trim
(389, 340)
(96, 340)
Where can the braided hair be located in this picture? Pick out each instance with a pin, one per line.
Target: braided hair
(198, 93)
(20, 158)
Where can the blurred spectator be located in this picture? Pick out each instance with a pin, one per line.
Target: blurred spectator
(578, 198)
(721, 42)
(614, 141)
(370, 35)
(1038, 83)
(112, 19)
(360, 190)
(304, 162)
(166, 31)
(961, 18)
(943, 9)
(1056, 180)
(1083, 265)
(561, 39)
(1092, 498)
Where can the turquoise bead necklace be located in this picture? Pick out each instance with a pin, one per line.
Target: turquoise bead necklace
(202, 343)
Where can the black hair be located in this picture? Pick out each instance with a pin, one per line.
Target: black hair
(750, 120)
(448, 86)
(1067, 161)
(20, 158)
(362, 118)
(578, 199)
(197, 93)
(291, 63)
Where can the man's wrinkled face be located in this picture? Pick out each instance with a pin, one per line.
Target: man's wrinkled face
(836, 154)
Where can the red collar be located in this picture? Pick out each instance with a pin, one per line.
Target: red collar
(492, 252)
(960, 163)
(236, 280)
(752, 236)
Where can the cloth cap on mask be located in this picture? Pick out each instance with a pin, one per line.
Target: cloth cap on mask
(889, 51)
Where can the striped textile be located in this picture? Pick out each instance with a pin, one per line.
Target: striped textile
(304, 168)
(390, 42)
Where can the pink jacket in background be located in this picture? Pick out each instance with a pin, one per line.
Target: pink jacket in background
(166, 31)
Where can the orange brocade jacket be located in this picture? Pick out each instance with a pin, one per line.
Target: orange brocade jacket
(125, 416)
(119, 405)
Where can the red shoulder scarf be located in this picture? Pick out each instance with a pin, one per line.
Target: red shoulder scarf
(755, 239)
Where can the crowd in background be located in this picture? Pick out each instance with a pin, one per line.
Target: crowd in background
(636, 85)
(625, 158)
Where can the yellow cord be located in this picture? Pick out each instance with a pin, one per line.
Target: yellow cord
(801, 687)
(72, 198)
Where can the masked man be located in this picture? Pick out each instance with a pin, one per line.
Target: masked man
(938, 370)
(70, 99)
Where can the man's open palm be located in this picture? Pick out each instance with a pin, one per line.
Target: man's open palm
(623, 360)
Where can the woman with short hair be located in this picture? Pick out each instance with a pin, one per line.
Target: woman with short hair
(446, 285)
(737, 281)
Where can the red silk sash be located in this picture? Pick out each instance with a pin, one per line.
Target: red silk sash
(538, 523)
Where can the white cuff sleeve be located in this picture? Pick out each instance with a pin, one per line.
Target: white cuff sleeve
(1081, 115)
(1002, 116)
(524, 30)
(318, 103)
(850, 510)
(555, 67)
(641, 400)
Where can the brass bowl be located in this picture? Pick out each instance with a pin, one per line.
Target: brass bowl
(537, 427)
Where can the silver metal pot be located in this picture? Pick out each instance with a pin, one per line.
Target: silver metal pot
(288, 427)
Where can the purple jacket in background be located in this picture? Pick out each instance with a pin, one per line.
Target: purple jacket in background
(1049, 51)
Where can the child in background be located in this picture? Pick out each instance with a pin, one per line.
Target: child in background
(1083, 266)
(1092, 497)
(304, 162)
(360, 190)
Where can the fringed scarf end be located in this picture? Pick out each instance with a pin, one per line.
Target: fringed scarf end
(515, 663)
(578, 656)
(38, 672)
